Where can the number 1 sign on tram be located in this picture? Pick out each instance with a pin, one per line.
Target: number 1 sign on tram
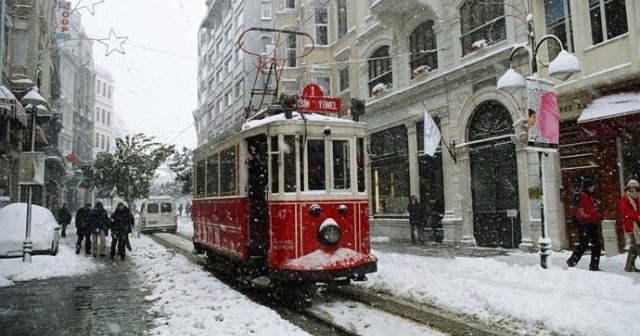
(313, 100)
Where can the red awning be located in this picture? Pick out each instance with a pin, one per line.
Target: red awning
(610, 115)
(14, 110)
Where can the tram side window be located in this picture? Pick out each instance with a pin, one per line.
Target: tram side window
(289, 150)
(341, 165)
(360, 162)
(228, 169)
(315, 164)
(200, 178)
(212, 175)
(275, 162)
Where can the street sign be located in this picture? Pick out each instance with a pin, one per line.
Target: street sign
(319, 104)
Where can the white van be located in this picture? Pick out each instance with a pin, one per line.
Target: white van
(158, 213)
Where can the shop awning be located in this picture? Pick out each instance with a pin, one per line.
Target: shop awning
(11, 108)
(610, 115)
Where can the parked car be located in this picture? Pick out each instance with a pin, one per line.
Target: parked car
(45, 231)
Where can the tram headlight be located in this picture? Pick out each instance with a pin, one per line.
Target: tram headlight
(329, 232)
(314, 210)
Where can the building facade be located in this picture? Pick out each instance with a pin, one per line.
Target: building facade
(27, 61)
(482, 187)
(225, 72)
(104, 116)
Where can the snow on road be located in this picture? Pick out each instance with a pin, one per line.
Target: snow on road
(190, 301)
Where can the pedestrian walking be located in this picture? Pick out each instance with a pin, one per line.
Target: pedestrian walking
(585, 211)
(415, 219)
(64, 215)
(188, 209)
(121, 221)
(629, 212)
(82, 228)
(99, 225)
(180, 210)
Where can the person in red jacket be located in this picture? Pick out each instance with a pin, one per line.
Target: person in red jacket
(588, 216)
(629, 211)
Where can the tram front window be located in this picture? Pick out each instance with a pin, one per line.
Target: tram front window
(315, 164)
(341, 165)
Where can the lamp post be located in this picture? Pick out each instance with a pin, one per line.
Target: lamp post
(562, 67)
(34, 99)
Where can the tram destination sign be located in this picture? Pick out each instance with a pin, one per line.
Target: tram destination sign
(319, 104)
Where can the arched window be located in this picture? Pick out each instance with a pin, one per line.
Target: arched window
(380, 68)
(481, 20)
(422, 45)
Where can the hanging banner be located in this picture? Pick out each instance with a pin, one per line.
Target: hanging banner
(543, 115)
(63, 13)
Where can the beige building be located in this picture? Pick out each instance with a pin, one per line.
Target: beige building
(447, 56)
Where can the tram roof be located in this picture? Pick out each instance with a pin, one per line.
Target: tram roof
(295, 116)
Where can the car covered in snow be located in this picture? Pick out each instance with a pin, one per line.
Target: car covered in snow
(45, 231)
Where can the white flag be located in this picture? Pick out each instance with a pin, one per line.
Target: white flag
(431, 134)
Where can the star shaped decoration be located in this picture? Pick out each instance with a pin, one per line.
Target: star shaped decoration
(114, 43)
(90, 5)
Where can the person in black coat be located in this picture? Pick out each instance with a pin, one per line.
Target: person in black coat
(82, 228)
(64, 215)
(98, 225)
(121, 222)
(415, 220)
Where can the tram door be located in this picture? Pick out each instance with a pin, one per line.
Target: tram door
(258, 212)
(494, 178)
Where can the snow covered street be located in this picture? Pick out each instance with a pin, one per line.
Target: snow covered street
(511, 290)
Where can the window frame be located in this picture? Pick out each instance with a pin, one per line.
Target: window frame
(604, 24)
(380, 68)
(423, 38)
(265, 10)
(319, 24)
(476, 9)
(341, 18)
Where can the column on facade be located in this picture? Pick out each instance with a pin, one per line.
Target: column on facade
(452, 221)
(526, 241)
(414, 175)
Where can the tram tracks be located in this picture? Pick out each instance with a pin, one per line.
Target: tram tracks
(347, 310)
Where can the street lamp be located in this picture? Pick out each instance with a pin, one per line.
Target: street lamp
(34, 100)
(562, 67)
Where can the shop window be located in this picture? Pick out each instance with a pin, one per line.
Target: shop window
(390, 171)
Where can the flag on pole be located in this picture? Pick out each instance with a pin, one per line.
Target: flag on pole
(431, 133)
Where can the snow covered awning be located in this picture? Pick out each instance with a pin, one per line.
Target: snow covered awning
(610, 115)
(611, 106)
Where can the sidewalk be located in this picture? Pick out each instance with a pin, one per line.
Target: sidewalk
(103, 302)
(612, 265)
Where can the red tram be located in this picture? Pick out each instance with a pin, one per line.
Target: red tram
(285, 198)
